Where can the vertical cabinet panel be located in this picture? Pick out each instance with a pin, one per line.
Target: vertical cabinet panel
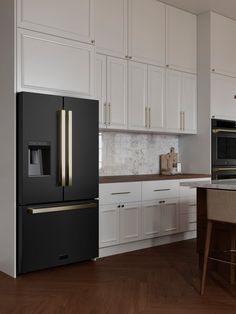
(173, 101)
(111, 27)
(72, 19)
(101, 88)
(189, 102)
(54, 65)
(156, 97)
(151, 220)
(223, 45)
(181, 41)
(147, 31)
(138, 96)
(223, 91)
(108, 225)
(130, 220)
(117, 93)
(170, 217)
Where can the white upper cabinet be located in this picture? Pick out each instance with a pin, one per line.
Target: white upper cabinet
(54, 65)
(223, 45)
(181, 40)
(137, 96)
(181, 102)
(117, 93)
(73, 19)
(111, 27)
(156, 97)
(101, 89)
(189, 103)
(147, 31)
(223, 93)
(173, 101)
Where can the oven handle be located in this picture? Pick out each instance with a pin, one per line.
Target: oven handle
(223, 169)
(215, 131)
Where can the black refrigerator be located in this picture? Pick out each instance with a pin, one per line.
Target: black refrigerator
(57, 181)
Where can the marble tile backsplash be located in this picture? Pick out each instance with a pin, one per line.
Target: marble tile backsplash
(132, 154)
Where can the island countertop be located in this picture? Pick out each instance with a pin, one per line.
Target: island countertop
(229, 184)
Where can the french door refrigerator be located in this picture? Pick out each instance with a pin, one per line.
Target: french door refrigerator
(57, 181)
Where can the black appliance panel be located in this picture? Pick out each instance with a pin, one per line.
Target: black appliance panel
(56, 238)
(85, 149)
(38, 148)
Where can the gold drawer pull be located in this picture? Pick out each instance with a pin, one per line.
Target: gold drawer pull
(119, 193)
(161, 190)
(44, 210)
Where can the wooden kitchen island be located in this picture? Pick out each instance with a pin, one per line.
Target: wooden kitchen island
(221, 240)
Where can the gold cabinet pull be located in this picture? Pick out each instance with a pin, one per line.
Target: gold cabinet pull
(149, 118)
(33, 210)
(120, 193)
(161, 190)
(69, 148)
(146, 117)
(183, 121)
(105, 114)
(215, 131)
(62, 147)
(109, 107)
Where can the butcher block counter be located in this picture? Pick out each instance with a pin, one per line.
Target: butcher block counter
(149, 177)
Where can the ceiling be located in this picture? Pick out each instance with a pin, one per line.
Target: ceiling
(224, 7)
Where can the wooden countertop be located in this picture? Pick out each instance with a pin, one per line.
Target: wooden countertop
(150, 177)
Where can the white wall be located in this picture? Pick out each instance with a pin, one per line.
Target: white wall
(7, 139)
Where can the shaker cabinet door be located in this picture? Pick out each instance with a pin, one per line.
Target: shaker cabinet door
(54, 65)
(101, 88)
(111, 27)
(72, 19)
(147, 31)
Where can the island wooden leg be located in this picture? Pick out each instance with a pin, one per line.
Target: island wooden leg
(206, 254)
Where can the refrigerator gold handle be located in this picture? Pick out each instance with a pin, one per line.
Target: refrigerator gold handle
(69, 164)
(62, 147)
(33, 211)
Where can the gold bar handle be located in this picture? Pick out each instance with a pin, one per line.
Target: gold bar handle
(223, 130)
(223, 169)
(44, 210)
(146, 117)
(109, 107)
(149, 118)
(183, 121)
(105, 114)
(69, 148)
(161, 190)
(62, 147)
(120, 193)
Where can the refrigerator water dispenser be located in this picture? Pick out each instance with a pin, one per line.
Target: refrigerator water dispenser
(38, 159)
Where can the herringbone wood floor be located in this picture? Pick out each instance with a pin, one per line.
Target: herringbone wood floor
(161, 280)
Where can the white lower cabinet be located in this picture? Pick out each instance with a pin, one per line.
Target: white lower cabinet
(108, 225)
(151, 220)
(134, 211)
(130, 222)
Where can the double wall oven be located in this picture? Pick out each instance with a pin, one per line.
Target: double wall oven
(223, 149)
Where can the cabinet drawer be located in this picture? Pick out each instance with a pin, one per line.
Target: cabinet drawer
(188, 205)
(188, 222)
(120, 192)
(152, 190)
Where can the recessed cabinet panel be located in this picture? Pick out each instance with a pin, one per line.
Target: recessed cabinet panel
(170, 217)
(54, 65)
(117, 93)
(130, 219)
(181, 41)
(138, 111)
(151, 220)
(173, 101)
(108, 225)
(223, 45)
(111, 27)
(189, 102)
(147, 31)
(223, 91)
(101, 88)
(156, 97)
(72, 19)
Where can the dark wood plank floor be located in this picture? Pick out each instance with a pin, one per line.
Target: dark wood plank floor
(162, 280)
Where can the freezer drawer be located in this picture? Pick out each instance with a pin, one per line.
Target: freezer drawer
(56, 235)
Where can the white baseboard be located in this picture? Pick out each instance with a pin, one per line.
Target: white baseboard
(143, 244)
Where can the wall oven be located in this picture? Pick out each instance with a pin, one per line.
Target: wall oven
(223, 143)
